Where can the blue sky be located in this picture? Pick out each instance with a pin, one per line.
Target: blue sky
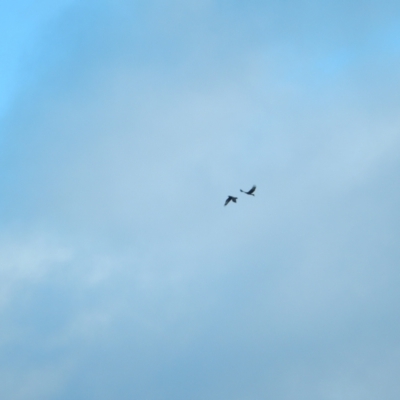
(123, 127)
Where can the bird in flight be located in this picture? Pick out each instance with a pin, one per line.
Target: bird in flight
(251, 191)
(229, 199)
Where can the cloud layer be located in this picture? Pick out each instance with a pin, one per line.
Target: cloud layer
(122, 274)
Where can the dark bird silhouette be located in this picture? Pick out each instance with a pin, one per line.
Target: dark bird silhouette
(251, 191)
(229, 199)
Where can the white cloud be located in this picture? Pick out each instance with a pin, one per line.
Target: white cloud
(27, 259)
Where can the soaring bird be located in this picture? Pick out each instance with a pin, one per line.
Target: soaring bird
(251, 191)
(229, 199)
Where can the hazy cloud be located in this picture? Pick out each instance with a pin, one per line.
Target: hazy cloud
(123, 276)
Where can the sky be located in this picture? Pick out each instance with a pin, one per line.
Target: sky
(124, 126)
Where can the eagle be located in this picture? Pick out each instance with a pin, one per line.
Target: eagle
(229, 199)
(251, 191)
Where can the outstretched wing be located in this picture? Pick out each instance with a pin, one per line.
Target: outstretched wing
(228, 200)
(252, 190)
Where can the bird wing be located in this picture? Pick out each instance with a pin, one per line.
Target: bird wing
(228, 200)
(252, 190)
